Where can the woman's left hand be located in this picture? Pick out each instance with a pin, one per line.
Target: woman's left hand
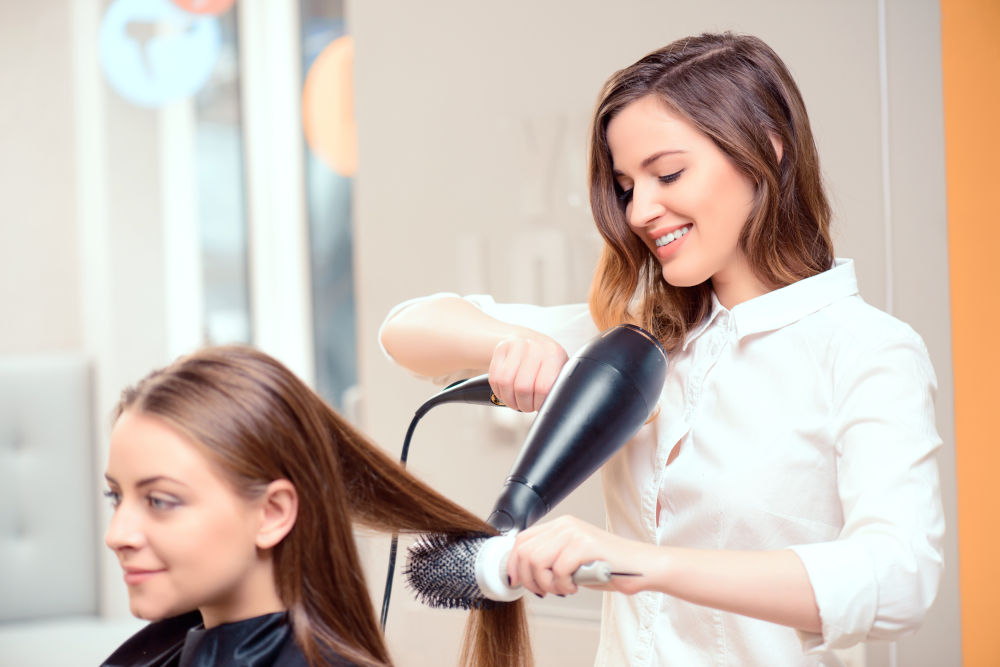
(545, 557)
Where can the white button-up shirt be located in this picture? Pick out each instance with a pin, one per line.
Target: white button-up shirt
(800, 419)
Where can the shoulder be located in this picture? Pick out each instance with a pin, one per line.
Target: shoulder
(291, 655)
(863, 343)
(840, 316)
(853, 322)
(159, 644)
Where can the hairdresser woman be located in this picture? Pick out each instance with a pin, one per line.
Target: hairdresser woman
(785, 501)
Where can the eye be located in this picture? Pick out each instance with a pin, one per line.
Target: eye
(670, 178)
(114, 497)
(160, 504)
(624, 196)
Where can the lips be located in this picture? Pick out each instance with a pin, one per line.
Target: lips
(135, 576)
(668, 236)
(667, 242)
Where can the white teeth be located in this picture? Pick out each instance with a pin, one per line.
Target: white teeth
(672, 236)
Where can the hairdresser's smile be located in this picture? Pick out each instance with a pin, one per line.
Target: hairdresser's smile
(667, 242)
(684, 198)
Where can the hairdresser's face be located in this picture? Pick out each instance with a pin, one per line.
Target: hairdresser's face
(685, 199)
(184, 538)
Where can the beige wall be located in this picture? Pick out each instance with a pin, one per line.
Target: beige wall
(38, 235)
(471, 132)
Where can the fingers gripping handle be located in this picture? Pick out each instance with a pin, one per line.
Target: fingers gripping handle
(491, 570)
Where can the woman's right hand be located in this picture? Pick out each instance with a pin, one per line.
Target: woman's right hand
(524, 368)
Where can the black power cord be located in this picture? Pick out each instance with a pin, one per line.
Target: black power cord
(476, 391)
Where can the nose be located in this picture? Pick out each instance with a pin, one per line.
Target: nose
(124, 529)
(644, 206)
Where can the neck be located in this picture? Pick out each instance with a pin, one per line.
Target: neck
(737, 283)
(255, 596)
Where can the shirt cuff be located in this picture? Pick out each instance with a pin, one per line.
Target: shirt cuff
(843, 580)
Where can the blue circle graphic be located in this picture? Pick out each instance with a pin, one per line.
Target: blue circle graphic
(152, 52)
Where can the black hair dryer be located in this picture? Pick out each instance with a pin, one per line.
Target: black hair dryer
(603, 395)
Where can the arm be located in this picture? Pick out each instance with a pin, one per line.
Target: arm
(769, 585)
(879, 579)
(447, 335)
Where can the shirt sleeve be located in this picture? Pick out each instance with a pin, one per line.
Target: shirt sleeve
(879, 578)
(569, 325)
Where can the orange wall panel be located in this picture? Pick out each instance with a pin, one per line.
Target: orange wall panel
(970, 46)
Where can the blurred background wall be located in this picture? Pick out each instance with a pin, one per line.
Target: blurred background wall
(180, 173)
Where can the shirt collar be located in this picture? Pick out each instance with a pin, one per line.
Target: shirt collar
(785, 305)
(700, 328)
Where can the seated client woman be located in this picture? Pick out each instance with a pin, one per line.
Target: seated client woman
(235, 490)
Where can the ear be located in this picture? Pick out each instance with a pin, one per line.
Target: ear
(278, 510)
(776, 142)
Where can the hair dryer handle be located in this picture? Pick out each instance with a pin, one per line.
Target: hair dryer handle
(603, 395)
(475, 390)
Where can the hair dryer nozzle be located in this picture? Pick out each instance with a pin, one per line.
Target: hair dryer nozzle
(518, 507)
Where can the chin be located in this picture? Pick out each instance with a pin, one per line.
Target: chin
(146, 614)
(152, 613)
(142, 614)
(677, 278)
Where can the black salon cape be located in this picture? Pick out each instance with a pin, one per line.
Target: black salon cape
(182, 641)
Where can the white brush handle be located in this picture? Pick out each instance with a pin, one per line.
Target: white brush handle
(491, 570)
(594, 572)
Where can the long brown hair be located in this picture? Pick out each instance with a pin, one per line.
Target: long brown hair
(258, 422)
(736, 90)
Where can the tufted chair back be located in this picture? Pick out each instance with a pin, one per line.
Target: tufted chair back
(48, 488)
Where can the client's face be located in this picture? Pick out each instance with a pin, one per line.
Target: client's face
(184, 538)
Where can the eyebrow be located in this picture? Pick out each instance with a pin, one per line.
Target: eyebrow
(146, 481)
(650, 160)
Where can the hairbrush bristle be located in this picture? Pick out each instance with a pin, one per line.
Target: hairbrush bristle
(441, 571)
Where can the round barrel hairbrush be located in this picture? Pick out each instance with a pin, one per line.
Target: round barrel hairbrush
(470, 572)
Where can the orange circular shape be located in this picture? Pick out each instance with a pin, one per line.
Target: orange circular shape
(328, 107)
(214, 7)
